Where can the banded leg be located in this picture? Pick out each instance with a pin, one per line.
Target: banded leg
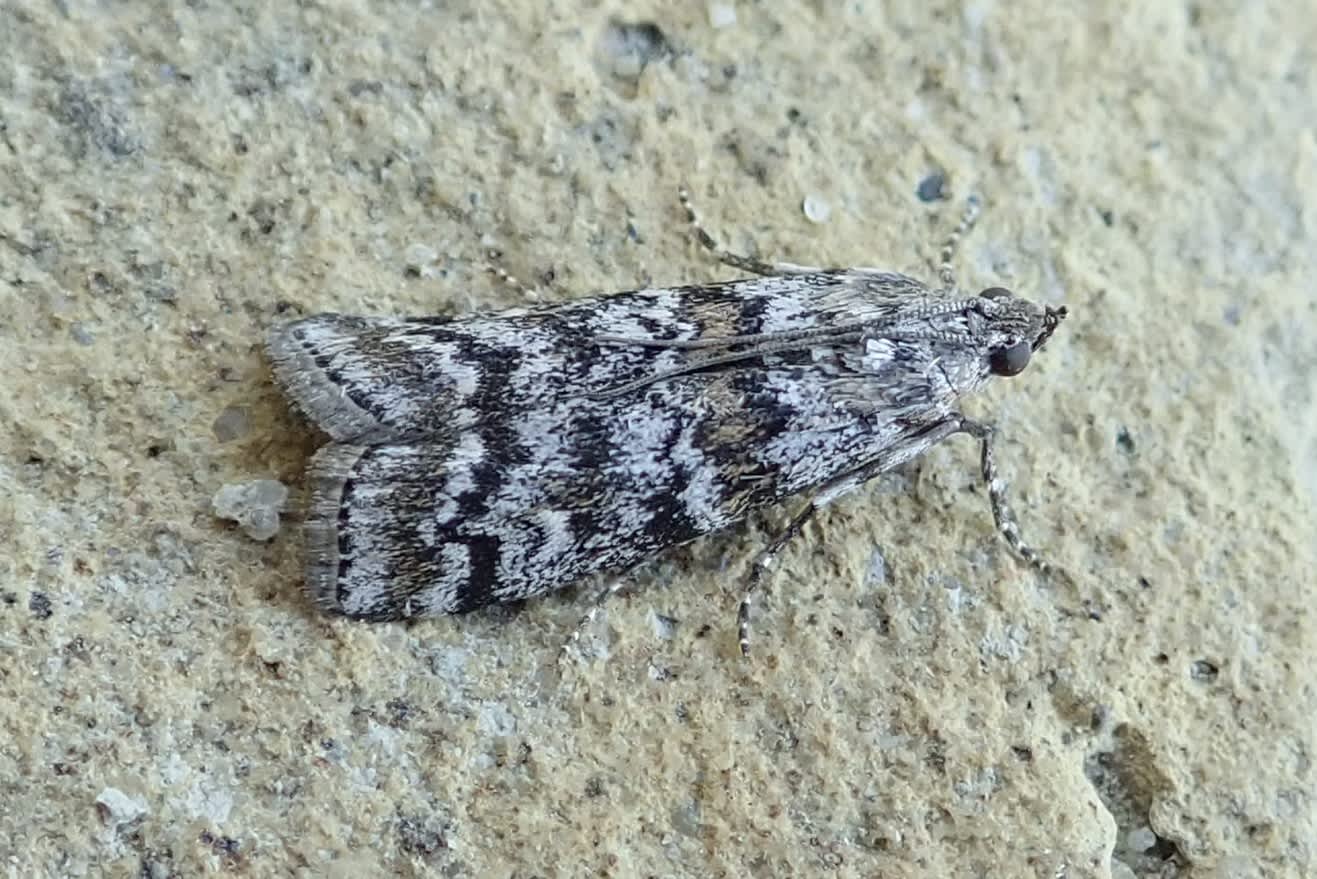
(494, 266)
(884, 461)
(736, 260)
(764, 560)
(946, 271)
(1002, 515)
(621, 584)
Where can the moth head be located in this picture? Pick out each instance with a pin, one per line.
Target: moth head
(1016, 329)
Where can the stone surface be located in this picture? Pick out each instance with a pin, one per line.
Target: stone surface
(175, 178)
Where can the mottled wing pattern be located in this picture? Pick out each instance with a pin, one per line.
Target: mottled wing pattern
(483, 459)
(376, 380)
(514, 508)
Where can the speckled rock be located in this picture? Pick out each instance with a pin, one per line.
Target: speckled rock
(174, 178)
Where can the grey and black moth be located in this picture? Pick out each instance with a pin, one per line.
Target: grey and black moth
(494, 457)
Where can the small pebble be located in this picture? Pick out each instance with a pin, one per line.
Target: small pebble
(254, 505)
(932, 187)
(817, 209)
(116, 808)
(877, 573)
(419, 258)
(664, 626)
(231, 424)
(722, 15)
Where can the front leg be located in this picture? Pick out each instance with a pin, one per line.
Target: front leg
(887, 459)
(1002, 515)
(902, 451)
(759, 567)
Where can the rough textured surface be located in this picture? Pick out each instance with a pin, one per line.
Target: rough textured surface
(175, 179)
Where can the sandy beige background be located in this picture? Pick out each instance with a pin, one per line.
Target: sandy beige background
(175, 178)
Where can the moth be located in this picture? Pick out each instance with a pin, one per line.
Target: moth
(498, 456)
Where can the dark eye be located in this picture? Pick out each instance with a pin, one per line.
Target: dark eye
(1010, 361)
(995, 293)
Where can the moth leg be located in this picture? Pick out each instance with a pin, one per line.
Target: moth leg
(736, 260)
(495, 267)
(1002, 515)
(946, 272)
(606, 592)
(884, 460)
(766, 558)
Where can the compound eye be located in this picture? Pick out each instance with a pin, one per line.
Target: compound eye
(996, 293)
(1010, 361)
